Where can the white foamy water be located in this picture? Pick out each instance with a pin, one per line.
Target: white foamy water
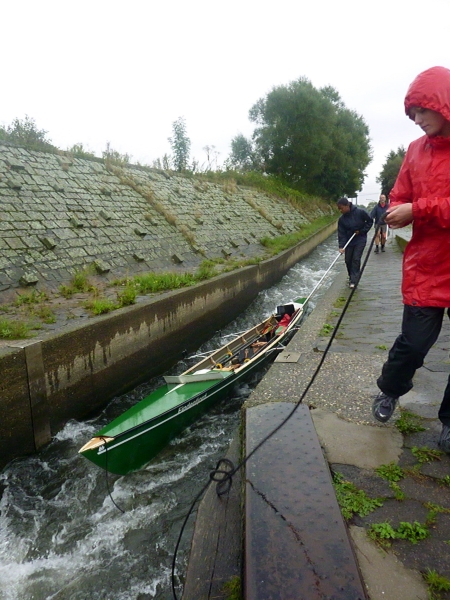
(62, 538)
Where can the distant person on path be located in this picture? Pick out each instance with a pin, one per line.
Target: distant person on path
(353, 220)
(377, 214)
(421, 196)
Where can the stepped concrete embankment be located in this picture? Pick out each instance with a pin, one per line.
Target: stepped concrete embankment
(72, 369)
(59, 214)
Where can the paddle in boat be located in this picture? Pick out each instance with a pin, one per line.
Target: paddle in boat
(136, 436)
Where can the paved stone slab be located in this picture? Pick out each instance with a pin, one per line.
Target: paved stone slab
(351, 444)
(386, 577)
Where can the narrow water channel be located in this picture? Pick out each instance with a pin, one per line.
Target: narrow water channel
(62, 538)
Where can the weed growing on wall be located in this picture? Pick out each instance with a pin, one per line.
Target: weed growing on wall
(80, 283)
(100, 306)
(12, 330)
(275, 245)
(127, 296)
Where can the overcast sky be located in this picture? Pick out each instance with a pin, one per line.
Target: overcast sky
(99, 71)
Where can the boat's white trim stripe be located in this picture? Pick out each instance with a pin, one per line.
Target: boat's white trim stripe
(102, 449)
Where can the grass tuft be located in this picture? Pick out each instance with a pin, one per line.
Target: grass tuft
(100, 306)
(436, 583)
(14, 330)
(275, 245)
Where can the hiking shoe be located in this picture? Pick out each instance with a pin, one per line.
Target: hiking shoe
(444, 440)
(376, 250)
(382, 248)
(383, 408)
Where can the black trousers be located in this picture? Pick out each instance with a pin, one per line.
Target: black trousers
(420, 330)
(353, 261)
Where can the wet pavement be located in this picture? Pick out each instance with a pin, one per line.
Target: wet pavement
(355, 445)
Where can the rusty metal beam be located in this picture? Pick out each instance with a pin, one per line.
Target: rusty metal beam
(296, 542)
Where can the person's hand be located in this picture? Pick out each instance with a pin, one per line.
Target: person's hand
(399, 216)
(341, 250)
(357, 232)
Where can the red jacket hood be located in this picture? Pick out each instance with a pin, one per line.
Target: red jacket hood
(430, 89)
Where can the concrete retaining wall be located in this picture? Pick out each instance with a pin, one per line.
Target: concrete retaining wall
(59, 214)
(70, 375)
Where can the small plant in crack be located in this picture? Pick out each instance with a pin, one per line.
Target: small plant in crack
(399, 494)
(352, 500)
(326, 329)
(426, 455)
(433, 511)
(392, 473)
(436, 583)
(233, 589)
(339, 303)
(383, 533)
(413, 532)
(409, 422)
(445, 480)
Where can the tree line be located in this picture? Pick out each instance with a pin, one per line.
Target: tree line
(390, 170)
(308, 138)
(304, 137)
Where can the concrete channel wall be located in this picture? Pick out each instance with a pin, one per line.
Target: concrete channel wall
(44, 383)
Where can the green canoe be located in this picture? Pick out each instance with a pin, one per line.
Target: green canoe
(135, 437)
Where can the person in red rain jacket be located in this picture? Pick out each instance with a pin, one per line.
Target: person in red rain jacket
(421, 196)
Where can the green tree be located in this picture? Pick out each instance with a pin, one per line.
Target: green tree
(181, 145)
(243, 155)
(24, 132)
(311, 140)
(390, 169)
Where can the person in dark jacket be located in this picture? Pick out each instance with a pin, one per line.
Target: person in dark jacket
(356, 221)
(378, 213)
